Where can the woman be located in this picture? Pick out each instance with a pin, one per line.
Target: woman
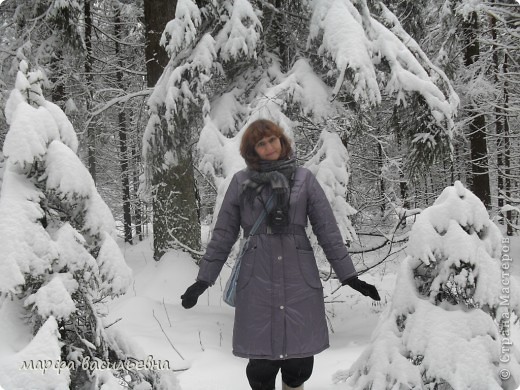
(280, 321)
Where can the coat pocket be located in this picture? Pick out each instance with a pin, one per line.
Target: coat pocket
(247, 265)
(308, 268)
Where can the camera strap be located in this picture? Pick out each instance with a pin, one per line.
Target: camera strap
(265, 211)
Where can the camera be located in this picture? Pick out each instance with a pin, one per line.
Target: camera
(278, 217)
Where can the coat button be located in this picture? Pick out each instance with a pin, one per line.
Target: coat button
(281, 307)
(279, 257)
(281, 356)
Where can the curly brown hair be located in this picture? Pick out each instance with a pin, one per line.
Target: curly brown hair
(256, 131)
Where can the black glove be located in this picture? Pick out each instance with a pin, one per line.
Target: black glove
(363, 287)
(192, 294)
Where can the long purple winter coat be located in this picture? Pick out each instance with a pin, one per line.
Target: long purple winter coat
(280, 312)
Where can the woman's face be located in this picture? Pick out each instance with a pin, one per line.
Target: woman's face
(269, 148)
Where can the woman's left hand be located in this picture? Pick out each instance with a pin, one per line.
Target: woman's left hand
(363, 287)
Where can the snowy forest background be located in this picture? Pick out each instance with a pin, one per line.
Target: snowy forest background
(393, 105)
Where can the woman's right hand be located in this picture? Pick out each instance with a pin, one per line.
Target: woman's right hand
(192, 294)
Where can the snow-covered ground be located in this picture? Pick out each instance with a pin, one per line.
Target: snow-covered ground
(153, 318)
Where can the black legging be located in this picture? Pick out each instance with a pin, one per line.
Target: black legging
(261, 373)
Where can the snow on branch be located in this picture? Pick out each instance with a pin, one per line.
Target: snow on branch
(241, 31)
(330, 166)
(339, 27)
(357, 43)
(116, 101)
(44, 347)
(25, 140)
(440, 104)
(302, 87)
(181, 32)
(227, 111)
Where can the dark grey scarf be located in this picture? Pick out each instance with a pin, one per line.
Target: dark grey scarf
(279, 174)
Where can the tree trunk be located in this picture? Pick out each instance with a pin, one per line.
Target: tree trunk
(56, 74)
(91, 133)
(403, 189)
(125, 182)
(138, 212)
(175, 222)
(135, 171)
(477, 127)
(123, 131)
(382, 188)
(499, 117)
(507, 151)
(157, 13)
(281, 34)
(175, 207)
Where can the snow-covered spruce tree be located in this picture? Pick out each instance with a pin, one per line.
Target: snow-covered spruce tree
(302, 64)
(448, 326)
(59, 262)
